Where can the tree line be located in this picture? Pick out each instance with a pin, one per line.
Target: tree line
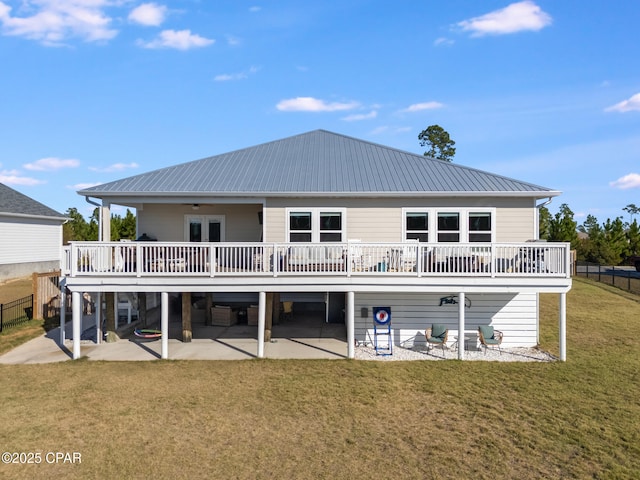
(79, 229)
(609, 243)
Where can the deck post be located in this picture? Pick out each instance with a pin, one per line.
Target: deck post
(262, 300)
(76, 312)
(563, 327)
(164, 324)
(461, 339)
(110, 316)
(63, 310)
(98, 313)
(351, 340)
(187, 332)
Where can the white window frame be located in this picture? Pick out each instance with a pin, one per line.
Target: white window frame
(315, 221)
(463, 219)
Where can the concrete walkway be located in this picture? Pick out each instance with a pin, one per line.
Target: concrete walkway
(300, 338)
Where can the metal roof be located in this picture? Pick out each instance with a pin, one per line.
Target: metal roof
(317, 163)
(14, 203)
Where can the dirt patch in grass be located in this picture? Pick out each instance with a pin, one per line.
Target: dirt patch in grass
(260, 419)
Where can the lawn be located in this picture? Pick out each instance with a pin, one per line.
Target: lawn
(271, 419)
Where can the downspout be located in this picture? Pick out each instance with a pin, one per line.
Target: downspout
(88, 200)
(537, 236)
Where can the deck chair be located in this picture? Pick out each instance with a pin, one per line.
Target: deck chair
(437, 335)
(490, 337)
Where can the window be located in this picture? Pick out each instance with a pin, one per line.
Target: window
(316, 225)
(480, 227)
(448, 227)
(300, 227)
(417, 226)
(330, 227)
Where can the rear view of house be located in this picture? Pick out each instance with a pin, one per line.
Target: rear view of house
(322, 217)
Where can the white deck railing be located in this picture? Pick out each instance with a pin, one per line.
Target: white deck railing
(144, 259)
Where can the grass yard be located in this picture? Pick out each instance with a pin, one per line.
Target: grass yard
(341, 419)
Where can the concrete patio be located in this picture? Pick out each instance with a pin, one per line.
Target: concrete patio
(304, 337)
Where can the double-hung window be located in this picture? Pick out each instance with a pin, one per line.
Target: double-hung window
(479, 227)
(448, 226)
(316, 225)
(417, 226)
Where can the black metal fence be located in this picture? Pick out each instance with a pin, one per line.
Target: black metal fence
(625, 278)
(16, 313)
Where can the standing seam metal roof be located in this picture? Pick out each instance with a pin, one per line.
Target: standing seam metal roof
(317, 162)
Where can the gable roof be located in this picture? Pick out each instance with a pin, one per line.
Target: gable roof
(15, 204)
(318, 163)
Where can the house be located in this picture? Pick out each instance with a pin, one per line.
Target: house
(30, 235)
(329, 218)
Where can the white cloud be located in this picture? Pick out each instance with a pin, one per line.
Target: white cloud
(442, 41)
(631, 180)
(255, 9)
(52, 22)
(361, 116)
(310, 104)
(13, 177)
(180, 40)
(116, 167)
(418, 107)
(82, 186)
(52, 163)
(226, 77)
(517, 17)
(631, 105)
(150, 14)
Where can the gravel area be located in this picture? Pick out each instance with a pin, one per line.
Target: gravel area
(421, 353)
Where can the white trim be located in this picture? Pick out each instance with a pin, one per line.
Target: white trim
(463, 213)
(316, 212)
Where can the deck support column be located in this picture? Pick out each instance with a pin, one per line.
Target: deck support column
(187, 332)
(63, 310)
(76, 312)
(164, 324)
(563, 327)
(351, 340)
(110, 316)
(461, 339)
(262, 301)
(98, 313)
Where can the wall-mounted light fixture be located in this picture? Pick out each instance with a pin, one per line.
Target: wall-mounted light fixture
(195, 206)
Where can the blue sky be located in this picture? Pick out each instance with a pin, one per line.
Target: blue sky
(546, 91)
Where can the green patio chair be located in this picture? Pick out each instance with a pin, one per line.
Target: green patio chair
(437, 335)
(490, 338)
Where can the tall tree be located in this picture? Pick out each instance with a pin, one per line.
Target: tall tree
(544, 222)
(633, 239)
(440, 144)
(563, 228)
(632, 210)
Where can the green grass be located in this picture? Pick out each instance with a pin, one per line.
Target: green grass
(268, 419)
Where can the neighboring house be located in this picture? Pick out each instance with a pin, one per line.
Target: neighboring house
(30, 235)
(325, 217)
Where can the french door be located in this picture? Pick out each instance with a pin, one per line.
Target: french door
(204, 228)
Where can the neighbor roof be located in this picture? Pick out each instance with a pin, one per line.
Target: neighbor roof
(317, 163)
(14, 203)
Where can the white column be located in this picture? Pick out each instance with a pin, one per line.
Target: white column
(164, 324)
(63, 311)
(262, 301)
(76, 312)
(351, 340)
(98, 313)
(461, 342)
(105, 218)
(563, 327)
